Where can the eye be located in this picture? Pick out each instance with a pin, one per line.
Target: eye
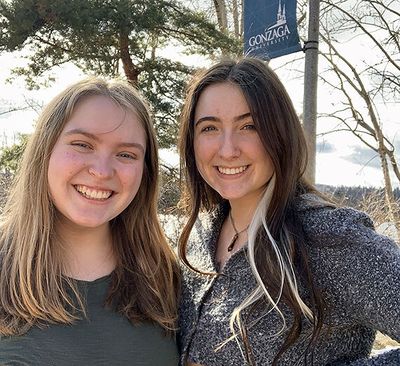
(81, 145)
(208, 128)
(128, 156)
(249, 126)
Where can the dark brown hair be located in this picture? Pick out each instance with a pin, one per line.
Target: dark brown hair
(282, 136)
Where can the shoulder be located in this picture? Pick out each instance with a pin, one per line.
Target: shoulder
(208, 224)
(344, 248)
(203, 238)
(352, 263)
(324, 224)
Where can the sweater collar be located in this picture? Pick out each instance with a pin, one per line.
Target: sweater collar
(204, 238)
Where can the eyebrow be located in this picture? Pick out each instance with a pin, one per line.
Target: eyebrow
(78, 131)
(215, 119)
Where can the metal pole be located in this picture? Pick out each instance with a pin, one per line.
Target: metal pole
(310, 86)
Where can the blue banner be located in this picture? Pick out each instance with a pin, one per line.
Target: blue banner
(270, 28)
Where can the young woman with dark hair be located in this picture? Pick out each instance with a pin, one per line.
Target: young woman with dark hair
(274, 273)
(86, 274)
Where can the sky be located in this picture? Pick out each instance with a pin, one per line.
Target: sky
(341, 160)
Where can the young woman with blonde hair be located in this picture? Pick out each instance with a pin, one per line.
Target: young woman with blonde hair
(275, 274)
(86, 275)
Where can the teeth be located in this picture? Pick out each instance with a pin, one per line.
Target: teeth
(93, 194)
(231, 171)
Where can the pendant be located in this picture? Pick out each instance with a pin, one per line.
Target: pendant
(233, 241)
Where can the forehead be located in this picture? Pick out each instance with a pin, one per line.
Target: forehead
(103, 117)
(221, 99)
(98, 113)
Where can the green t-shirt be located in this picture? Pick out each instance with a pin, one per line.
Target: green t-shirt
(105, 338)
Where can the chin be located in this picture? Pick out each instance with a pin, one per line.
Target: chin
(89, 224)
(231, 195)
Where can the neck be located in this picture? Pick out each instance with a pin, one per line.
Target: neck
(242, 215)
(88, 253)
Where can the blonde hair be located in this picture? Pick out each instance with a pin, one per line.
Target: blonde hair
(33, 289)
(285, 268)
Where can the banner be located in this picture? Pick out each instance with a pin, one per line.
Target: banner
(270, 28)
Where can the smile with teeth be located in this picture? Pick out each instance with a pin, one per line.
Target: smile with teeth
(232, 171)
(93, 194)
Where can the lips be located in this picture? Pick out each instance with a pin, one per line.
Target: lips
(232, 171)
(93, 194)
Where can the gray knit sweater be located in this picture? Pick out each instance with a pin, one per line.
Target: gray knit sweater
(357, 270)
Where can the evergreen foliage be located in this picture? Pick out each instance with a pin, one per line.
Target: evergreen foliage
(10, 156)
(111, 38)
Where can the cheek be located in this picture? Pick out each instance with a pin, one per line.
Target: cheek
(202, 151)
(199, 159)
(267, 162)
(62, 167)
(65, 163)
(202, 166)
(132, 176)
(54, 171)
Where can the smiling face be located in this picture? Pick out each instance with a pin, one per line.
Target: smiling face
(96, 166)
(228, 151)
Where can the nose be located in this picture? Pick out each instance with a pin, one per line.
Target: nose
(101, 167)
(229, 148)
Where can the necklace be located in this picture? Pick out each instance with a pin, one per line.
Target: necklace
(237, 233)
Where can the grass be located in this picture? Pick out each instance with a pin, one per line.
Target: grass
(383, 342)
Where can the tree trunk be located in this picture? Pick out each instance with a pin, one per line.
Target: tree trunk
(389, 196)
(130, 70)
(220, 10)
(393, 162)
(236, 20)
(310, 88)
